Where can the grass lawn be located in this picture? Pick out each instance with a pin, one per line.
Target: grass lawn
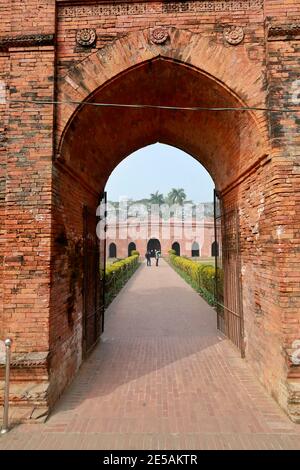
(209, 260)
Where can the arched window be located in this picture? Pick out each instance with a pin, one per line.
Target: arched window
(214, 249)
(176, 248)
(131, 247)
(195, 249)
(112, 250)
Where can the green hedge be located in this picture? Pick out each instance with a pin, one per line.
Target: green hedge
(200, 275)
(134, 252)
(117, 274)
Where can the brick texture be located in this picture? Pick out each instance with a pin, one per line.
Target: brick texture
(55, 158)
(161, 377)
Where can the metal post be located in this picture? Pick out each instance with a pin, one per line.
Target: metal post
(5, 426)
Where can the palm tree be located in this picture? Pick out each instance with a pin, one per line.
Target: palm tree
(177, 196)
(157, 198)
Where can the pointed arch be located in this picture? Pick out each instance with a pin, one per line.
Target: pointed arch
(112, 250)
(230, 68)
(195, 249)
(131, 247)
(176, 248)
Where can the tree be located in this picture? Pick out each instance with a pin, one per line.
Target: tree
(157, 198)
(177, 196)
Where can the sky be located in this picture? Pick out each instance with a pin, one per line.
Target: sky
(159, 167)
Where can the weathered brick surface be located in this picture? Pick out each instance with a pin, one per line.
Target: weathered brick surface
(27, 229)
(67, 277)
(252, 156)
(26, 163)
(3, 125)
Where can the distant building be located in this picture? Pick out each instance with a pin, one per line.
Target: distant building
(194, 238)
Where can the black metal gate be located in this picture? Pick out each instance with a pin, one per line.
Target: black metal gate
(94, 255)
(228, 287)
(102, 240)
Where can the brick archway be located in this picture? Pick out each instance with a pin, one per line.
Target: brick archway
(229, 66)
(236, 135)
(93, 140)
(233, 146)
(250, 155)
(229, 69)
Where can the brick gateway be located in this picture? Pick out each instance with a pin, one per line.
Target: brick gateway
(55, 158)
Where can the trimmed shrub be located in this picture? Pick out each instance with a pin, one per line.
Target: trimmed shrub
(120, 265)
(201, 275)
(117, 274)
(172, 252)
(135, 252)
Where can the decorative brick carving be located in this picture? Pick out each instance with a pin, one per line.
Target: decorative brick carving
(86, 37)
(27, 360)
(233, 34)
(172, 7)
(159, 35)
(212, 5)
(105, 10)
(26, 40)
(284, 32)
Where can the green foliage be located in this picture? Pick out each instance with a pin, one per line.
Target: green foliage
(135, 253)
(157, 198)
(176, 196)
(117, 274)
(201, 276)
(120, 266)
(172, 252)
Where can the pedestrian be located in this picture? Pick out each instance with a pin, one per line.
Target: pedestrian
(147, 256)
(157, 256)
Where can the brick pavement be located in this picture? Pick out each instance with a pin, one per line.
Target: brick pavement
(161, 378)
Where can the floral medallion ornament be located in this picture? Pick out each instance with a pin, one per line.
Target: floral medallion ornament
(159, 35)
(233, 34)
(86, 37)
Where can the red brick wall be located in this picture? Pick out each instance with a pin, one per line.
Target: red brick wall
(28, 202)
(40, 203)
(261, 279)
(278, 10)
(32, 16)
(69, 196)
(28, 69)
(5, 14)
(4, 63)
(111, 22)
(284, 92)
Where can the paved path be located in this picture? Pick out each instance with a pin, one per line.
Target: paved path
(161, 378)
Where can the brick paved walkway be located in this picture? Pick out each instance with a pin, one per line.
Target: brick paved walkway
(162, 378)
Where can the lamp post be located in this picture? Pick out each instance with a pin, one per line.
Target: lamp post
(5, 426)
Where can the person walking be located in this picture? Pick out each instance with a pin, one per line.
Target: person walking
(147, 256)
(157, 255)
